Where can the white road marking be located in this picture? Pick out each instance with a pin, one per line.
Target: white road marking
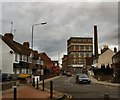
(68, 81)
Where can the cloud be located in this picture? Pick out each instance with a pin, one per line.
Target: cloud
(63, 21)
(59, 1)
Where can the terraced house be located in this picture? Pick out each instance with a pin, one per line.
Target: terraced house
(19, 58)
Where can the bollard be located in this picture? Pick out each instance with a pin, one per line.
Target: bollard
(37, 84)
(51, 89)
(33, 84)
(43, 83)
(106, 96)
(15, 91)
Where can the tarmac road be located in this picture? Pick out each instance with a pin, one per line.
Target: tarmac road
(67, 85)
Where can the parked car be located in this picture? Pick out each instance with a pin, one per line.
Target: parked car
(82, 78)
(64, 73)
(69, 74)
(6, 77)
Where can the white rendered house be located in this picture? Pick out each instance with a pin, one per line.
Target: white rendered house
(104, 59)
(6, 57)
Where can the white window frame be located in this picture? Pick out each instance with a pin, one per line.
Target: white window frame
(89, 48)
(84, 61)
(74, 61)
(74, 54)
(79, 61)
(79, 54)
(84, 48)
(74, 47)
(90, 54)
(84, 54)
(23, 71)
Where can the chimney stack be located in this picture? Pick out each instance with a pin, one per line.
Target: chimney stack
(95, 41)
(26, 44)
(9, 36)
(115, 49)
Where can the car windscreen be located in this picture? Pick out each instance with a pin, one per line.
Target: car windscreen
(83, 76)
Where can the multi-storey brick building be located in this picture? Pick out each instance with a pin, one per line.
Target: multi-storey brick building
(64, 62)
(78, 49)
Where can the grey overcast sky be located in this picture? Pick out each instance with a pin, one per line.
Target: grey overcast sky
(64, 20)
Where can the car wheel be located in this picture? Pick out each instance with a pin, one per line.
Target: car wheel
(88, 82)
(79, 82)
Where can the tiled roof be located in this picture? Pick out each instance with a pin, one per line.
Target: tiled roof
(36, 55)
(47, 61)
(24, 50)
(117, 54)
(16, 47)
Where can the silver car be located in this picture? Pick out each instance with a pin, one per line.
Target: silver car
(82, 78)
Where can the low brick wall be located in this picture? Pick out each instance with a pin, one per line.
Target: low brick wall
(103, 77)
(7, 85)
(115, 80)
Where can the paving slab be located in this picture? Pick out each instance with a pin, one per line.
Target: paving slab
(29, 92)
(26, 92)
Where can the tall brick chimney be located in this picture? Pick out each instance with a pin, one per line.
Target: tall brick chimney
(9, 36)
(95, 41)
(26, 44)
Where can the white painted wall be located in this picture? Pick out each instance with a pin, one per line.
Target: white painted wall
(7, 58)
(105, 58)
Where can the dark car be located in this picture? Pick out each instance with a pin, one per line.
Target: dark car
(6, 77)
(82, 78)
(69, 74)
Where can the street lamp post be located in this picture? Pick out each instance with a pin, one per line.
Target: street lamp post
(43, 23)
(11, 27)
(33, 30)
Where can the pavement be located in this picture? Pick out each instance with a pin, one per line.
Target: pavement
(104, 82)
(30, 92)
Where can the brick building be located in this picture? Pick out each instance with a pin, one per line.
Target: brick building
(64, 62)
(78, 49)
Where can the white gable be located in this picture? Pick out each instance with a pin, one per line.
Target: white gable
(105, 58)
(6, 58)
